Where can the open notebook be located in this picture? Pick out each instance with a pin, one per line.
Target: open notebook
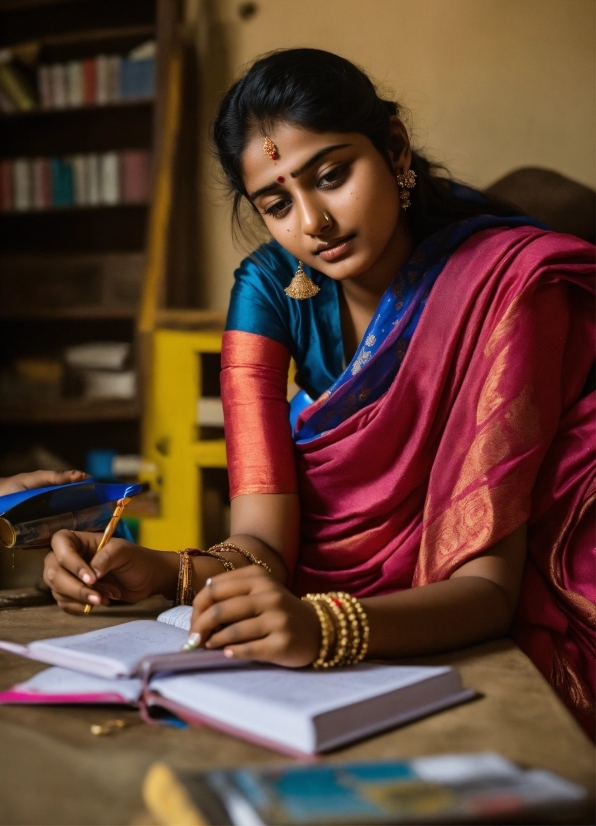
(120, 650)
(300, 711)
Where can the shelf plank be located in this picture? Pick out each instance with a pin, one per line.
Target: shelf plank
(83, 109)
(145, 31)
(58, 132)
(25, 21)
(121, 227)
(69, 410)
(190, 319)
(69, 313)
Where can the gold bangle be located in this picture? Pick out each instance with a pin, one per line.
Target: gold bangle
(185, 593)
(363, 620)
(184, 590)
(231, 546)
(358, 621)
(353, 626)
(229, 566)
(326, 627)
(344, 629)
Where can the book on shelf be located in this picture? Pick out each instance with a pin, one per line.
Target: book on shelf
(89, 70)
(447, 788)
(59, 94)
(91, 196)
(79, 176)
(137, 79)
(16, 87)
(21, 184)
(98, 355)
(28, 519)
(135, 176)
(74, 83)
(62, 182)
(99, 80)
(108, 178)
(42, 184)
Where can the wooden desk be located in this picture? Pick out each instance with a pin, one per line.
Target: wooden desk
(54, 771)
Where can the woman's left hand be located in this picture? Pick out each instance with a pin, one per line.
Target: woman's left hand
(252, 616)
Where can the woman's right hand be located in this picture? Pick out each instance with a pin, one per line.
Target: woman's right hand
(77, 576)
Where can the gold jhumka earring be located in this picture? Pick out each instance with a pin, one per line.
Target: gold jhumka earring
(301, 286)
(405, 182)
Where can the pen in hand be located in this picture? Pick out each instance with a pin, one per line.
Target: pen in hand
(107, 534)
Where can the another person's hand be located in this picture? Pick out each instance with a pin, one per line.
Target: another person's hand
(77, 576)
(39, 479)
(252, 616)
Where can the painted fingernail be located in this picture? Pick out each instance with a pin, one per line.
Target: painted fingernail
(228, 653)
(94, 599)
(86, 577)
(208, 582)
(192, 642)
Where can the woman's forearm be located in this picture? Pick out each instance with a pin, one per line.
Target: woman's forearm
(437, 617)
(205, 567)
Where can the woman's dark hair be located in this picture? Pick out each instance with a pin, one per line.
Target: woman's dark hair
(324, 92)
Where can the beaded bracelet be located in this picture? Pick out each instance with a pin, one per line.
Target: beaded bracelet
(359, 625)
(185, 593)
(341, 628)
(326, 625)
(231, 546)
(344, 629)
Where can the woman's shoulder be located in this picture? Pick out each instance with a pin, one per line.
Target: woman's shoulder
(258, 303)
(538, 241)
(271, 262)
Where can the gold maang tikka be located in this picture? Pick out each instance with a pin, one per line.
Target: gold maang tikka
(301, 286)
(270, 149)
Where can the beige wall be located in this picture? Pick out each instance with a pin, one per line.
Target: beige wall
(490, 85)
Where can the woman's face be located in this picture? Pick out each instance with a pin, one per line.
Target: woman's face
(341, 176)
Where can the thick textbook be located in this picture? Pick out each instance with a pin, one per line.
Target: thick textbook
(450, 788)
(304, 711)
(30, 517)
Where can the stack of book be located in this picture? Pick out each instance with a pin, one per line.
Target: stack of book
(80, 180)
(102, 368)
(95, 81)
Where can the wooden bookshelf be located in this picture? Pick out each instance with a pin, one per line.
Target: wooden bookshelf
(80, 244)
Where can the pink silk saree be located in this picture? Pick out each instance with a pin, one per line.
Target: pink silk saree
(480, 431)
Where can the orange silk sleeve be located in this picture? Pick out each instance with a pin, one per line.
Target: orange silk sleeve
(259, 443)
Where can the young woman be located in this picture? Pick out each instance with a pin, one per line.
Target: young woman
(439, 483)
